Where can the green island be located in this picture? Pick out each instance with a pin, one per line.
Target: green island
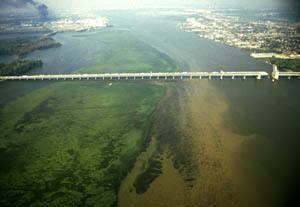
(24, 45)
(286, 64)
(19, 67)
(72, 143)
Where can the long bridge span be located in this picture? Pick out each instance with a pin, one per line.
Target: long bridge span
(143, 76)
(276, 75)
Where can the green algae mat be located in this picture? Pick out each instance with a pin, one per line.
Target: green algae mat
(72, 143)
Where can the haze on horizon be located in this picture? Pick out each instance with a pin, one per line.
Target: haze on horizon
(168, 3)
(133, 4)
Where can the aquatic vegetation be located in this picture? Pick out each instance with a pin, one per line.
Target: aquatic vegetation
(124, 53)
(73, 143)
(143, 180)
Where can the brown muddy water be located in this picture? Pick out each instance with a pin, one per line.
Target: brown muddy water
(197, 152)
(203, 160)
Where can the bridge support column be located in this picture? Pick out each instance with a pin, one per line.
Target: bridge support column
(111, 77)
(174, 77)
(244, 77)
(209, 77)
(126, 77)
(181, 77)
(88, 78)
(133, 77)
(232, 77)
(142, 77)
(157, 77)
(72, 78)
(165, 77)
(42, 79)
(258, 77)
(221, 77)
(102, 77)
(95, 78)
(80, 78)
(289, 78)
(119, 77)
(150, 77)
(191, 77)
(56, 78)
(200, 77)
(275, 73)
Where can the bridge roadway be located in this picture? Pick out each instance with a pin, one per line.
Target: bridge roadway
(276, 74)
(144, 76)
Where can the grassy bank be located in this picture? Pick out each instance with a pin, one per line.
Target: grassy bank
(72, 143)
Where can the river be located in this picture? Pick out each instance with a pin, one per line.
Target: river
(243, 136)
(239, 139)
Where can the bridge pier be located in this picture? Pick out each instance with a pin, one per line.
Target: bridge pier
(200, 77)
(289, 78)
(173, 77)
(142, 77)
(221, 77)
(244, 77)
(126, 78)
(157, 77)
(95, 78)
(150, 77)
(111, 77)
(191, 77)
(119, 77)
(72, 78)
(102, 77)
(181, 77)
(275, 73)
(88, 78)
(165, 77)
(209, 77)
(258, 77)
(133, 77)
(232, 77)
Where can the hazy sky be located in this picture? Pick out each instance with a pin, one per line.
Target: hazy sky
(171, 3)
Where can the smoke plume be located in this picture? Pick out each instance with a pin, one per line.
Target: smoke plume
(41, 8)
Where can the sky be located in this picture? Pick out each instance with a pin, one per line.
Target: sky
(41, 5)
(169, 3)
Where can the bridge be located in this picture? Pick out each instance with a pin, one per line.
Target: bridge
(144, 76)
(165, 76)
(276, 75)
